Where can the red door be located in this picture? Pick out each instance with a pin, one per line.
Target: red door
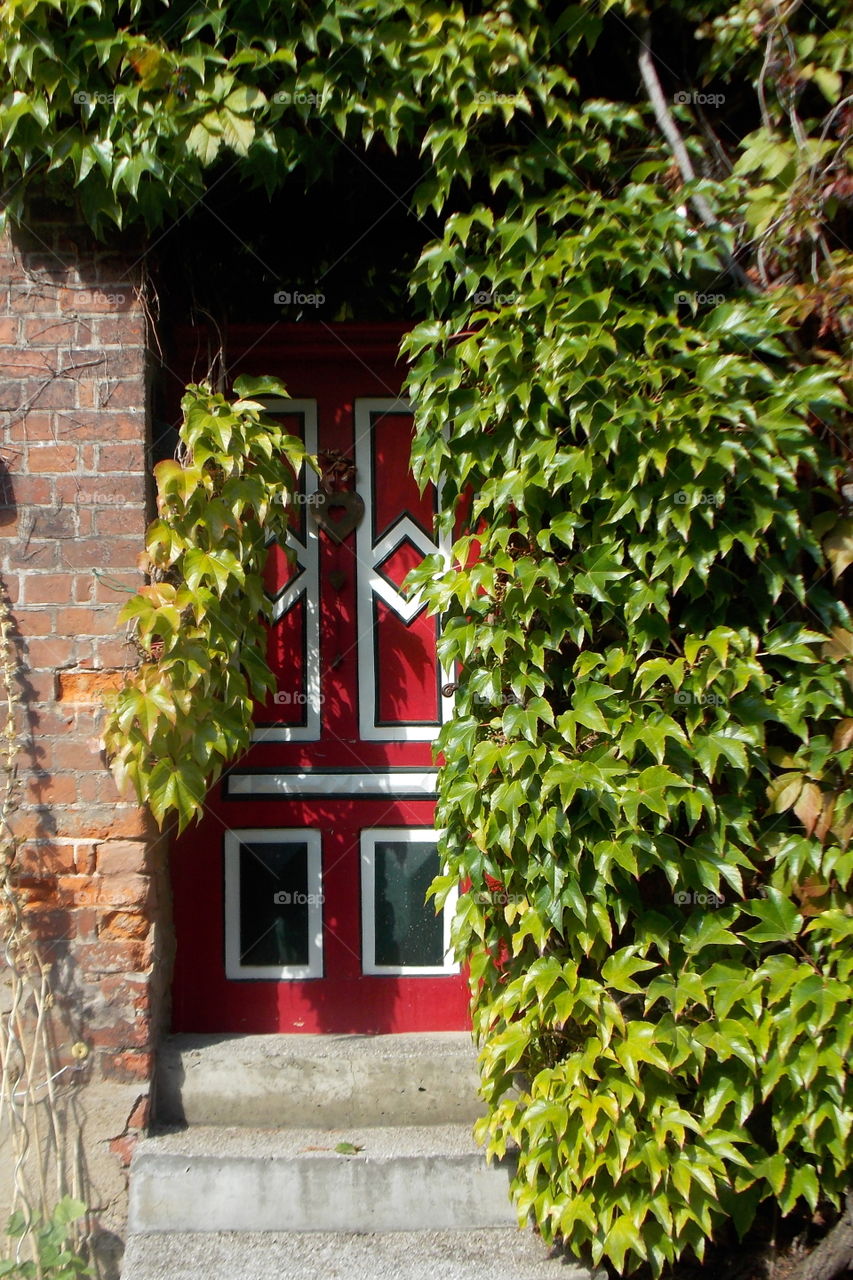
(299, 899)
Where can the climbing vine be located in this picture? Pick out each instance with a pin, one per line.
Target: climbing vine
(632, 381)
(187, 708)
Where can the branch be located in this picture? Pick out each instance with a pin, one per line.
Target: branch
(672, 134)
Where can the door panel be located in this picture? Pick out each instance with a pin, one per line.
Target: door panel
(299, 899)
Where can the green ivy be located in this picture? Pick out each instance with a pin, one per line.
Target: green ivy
(200, 624)
(56, 1261)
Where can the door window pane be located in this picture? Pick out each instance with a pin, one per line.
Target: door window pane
(401, 931)
(273, 904)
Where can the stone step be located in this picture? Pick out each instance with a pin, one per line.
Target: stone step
(506, 1253)
(324, 1080)
(403, 1178)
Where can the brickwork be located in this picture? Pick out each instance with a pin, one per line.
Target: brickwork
(73, 507)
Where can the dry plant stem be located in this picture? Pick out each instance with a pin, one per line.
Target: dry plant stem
(29, 1111)
(672, 134)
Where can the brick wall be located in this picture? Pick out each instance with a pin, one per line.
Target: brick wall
(73, 507)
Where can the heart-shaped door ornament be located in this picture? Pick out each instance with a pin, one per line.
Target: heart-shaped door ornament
(337, 514)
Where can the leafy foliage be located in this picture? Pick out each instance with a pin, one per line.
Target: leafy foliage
(187, 709)
(647, 781)
(631, 387)
(56, 1261)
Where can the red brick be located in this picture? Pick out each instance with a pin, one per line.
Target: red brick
(30, 301)
(140, 1115)
(121, 457)
(121, 1034)
(122, 330)
(134, 1064)
(60, 393)
(18, 360)
(112, 591)
(43, 860)
(32, 491)
(35, 556)
(121, 857)
(127, 891)
(50, 924)
(96, 491)
(77, 891)
(49, 332)
(9, 331)
(36, 622)
(84, 857)
(118, 394)
(112, 426)
(48, 588)
(73, 752)
(39, 426)
(124, 924)
(98, 788)
(127, 991)
(55, 651)
(115, 653)
(41, 687)
(88, 686)
(114, 957)
(109, 553)
(53, 789)
(81, 621)
(130, 519)
(52, 459)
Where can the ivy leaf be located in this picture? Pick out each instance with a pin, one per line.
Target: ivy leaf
(779, 920)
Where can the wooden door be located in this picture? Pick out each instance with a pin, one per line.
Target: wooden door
(299, 899)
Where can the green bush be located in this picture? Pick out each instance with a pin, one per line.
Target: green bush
(56, 1261)
(647, 778)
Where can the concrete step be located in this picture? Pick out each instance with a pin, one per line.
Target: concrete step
(401, 1179)
(324, 1080)
(507, 1254)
